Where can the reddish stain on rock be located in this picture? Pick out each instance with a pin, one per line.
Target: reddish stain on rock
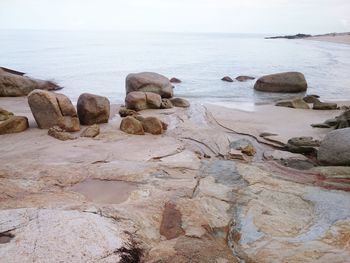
(170, 226)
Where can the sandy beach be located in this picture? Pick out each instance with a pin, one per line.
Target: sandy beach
(183, 196)
(337, 38)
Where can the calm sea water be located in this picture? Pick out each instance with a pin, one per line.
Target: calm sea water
(98, 62)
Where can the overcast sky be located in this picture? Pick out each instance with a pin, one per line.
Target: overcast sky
(237, 16)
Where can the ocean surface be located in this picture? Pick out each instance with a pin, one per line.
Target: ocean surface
(98, 62)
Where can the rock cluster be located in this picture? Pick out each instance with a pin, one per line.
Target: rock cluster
(15, 84)
(288, 82)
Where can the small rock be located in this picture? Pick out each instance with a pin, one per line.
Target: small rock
(324, 106)
(166, 104)
(14, 124)
(57, 133)
(91, 131)
(179, 102)
(132, 126)
(244, 78)
(93, 109)
(320, 125)
(175, 80)
(296, 104)
(227, 79)
(4, 114)
(304, 145)
(249, 150)
(124, 112)
(267, 134)
(331, 122)
(311, 99)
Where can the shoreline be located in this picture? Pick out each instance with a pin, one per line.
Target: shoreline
(338, 39)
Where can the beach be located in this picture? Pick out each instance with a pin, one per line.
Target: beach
(336, 38)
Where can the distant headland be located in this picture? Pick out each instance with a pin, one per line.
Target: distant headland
(343, 38)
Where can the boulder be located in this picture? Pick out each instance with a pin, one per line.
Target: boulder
(14, 124)
(149, 82)
(166, 104)
(51, 109)
(288, 82)
(335, 148)
(93, 109)
(296, 104)
(179, 102)
(152, 125)
(175, 80)
(311, 99)
(244, 78)
(4, 114)
(305, 145)
(318, 105)
(91, 131)
(227, 79)
(14, 84)
(58, 133)
(138, 100)
(132, 126)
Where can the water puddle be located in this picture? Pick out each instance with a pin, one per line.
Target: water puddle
(106, 192)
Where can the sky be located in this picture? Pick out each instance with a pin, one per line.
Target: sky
(231, 16)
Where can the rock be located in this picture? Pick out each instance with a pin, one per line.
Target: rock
(236, 155)
(227, 79)
(14, 124)
(296, 104)
(289, 82)
(243, 145)
(175, 80)
(93, 109)
(249, 150)
(335, 148)
(138, 100)
(311, 99)
(320, 125)
(91, 131)
(124, 112)
(331, 122)
(166, 104)
(52, 109)
(4, 114)
(244, 78)
(132, 126)
(149, 82)
(152, 125)
(57, 133)
(171, 225)
(179, 102)
(13, 84)
(324, 106)
(302, 145)
(343, 120)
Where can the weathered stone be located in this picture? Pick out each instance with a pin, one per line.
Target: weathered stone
(47, 111)
(93, 109)
(149, 82)
(335, 148)
(154, 101)
(249, 150)
(14, 124)
(91, 131)
(166, 104)
(14, 84)
(311, 99)
(227, 79)
(170, 226)
(289, 82)
(151, 125)
(132, 126)
(124, 112)
(138, 100)
(324, 106)
(179, 102)
(244, 78)
(175, 80)
(4, 114)
(296, 104)
(57, 133)
(302, 145)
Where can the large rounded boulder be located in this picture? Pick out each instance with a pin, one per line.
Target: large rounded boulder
(288, 82)
(149, 82)
(335, 148)
(93, 109)
(52, 109)
(15, 84)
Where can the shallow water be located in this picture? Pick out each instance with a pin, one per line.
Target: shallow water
(106, 192)
(98, 62)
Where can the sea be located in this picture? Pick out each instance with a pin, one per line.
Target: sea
(98, 62)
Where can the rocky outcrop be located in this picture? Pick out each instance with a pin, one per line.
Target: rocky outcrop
(288, 82)
(296, 104)
(244, 78)
(51, 109)
(149, 82)
(138, 100)
(132, 126)
(93, 109)
(13, 124)
(179, 102)
(175, 80)
(227, 79)
(60, 134)
(91, 131)
(340, 122)
(335, 148)
(14, 84)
